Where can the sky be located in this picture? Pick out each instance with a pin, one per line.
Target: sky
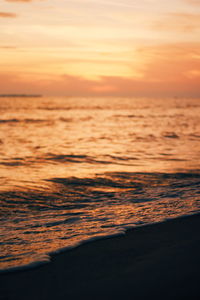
(98, 47)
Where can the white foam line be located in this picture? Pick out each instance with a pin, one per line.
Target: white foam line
(46, 257)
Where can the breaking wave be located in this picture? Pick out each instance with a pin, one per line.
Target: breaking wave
(71, 210)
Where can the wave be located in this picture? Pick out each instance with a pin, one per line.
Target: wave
(105, 159)
(68, 211)
(120, 158)
(129, 116)
(71, 107)
(74, 158)
(194, 135)
(5, 121)
(12, 163)
(171, 135)
(69, 193)
(2, 121)
(134, 183)
(36, 121)
(67, 158)
(139, 116)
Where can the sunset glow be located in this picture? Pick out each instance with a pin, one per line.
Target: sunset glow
(97, 47)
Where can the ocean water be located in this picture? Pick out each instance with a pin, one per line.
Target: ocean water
(74, 169)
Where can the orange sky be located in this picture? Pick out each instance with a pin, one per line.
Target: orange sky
(99, 47)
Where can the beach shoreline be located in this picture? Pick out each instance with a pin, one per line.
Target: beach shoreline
(159, 260)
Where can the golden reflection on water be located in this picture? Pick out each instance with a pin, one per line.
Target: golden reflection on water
(71, 169)
(142, 133)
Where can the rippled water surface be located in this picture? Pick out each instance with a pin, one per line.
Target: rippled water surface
(76, 168)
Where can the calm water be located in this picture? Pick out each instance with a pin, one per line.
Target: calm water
(76, 168)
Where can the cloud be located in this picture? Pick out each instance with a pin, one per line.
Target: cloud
(193, 2)
(74, 86)
(8, 47)
(181, 22)
(19, 0)
(7, 15)
(25, 1)
(170, 69)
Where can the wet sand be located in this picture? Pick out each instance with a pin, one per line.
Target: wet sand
(159, 261)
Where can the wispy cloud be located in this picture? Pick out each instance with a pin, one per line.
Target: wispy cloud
(19, 0)
(117, 3)
(171, 69)
(181, 22)
(193, 2)
(7, 15)
(8, 47)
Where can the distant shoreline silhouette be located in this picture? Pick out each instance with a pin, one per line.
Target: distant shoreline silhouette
(20, 95)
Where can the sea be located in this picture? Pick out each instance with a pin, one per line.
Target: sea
(77, 169)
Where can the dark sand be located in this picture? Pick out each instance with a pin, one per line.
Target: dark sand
(159, 261)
